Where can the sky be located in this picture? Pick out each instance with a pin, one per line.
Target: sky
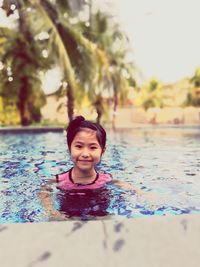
(164, 36)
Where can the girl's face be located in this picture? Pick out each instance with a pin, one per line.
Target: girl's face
(85, 150)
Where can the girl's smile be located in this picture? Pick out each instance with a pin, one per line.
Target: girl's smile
(85, 160)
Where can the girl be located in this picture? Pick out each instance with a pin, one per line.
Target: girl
(82, 184)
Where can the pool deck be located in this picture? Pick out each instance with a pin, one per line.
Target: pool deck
(153, 241)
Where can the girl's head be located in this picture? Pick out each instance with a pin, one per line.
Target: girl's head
(80, 124)
(86, 142)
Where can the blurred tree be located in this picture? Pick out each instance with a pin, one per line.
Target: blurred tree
(20, 81)
(193, 97)
(92, 63)
(115, 83)
(150, 95)
(80, 58)
(196, 78)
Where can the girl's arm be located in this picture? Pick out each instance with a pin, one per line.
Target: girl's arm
(149, 196)
(128, 186)
(153, 199)
(45, 195)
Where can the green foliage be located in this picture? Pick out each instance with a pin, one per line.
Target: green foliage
(193, 97)
(8, 114)
(150, 95)
(80, 59)
(93, 59)
(20, 82)
(114, 81)
(195, 80)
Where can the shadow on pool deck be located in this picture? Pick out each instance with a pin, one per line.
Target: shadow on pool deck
(165, 241)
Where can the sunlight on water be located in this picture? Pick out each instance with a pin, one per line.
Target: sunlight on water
(165, 161)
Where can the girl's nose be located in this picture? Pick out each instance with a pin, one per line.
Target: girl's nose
(85, 153)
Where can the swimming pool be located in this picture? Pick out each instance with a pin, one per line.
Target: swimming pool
(161, 160)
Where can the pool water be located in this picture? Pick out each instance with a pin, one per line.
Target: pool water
(163, 161)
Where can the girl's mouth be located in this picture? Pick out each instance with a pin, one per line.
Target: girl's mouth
(85, 160)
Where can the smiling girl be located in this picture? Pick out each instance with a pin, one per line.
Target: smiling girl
(82, 184)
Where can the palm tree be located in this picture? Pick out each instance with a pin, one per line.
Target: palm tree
(20, 76)
(85, 63)
(81, 59)
(106, 33)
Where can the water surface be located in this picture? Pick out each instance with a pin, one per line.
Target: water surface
(165, 161)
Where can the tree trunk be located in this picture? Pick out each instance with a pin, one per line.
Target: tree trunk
(70, 103)
(22, 103)
(52, 14)
(24, 85)
(99, 115)
(115, 99)
(99, 108)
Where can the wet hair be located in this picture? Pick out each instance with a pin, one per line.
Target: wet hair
(78, 124)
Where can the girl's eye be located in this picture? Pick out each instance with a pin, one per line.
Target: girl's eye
(93, 147)
(78, 146)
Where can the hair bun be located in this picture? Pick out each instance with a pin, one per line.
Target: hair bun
(76, 122)
(79, 119)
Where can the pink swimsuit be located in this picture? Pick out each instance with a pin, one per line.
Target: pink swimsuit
(65, 181)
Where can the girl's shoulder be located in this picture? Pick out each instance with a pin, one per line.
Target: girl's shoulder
(105, 175)
(63, 180)
(62, 176)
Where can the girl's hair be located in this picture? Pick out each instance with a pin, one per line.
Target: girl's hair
(78, 124)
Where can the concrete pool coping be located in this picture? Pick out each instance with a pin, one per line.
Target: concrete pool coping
(31, 129)
(44, 129)
(153, 241)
